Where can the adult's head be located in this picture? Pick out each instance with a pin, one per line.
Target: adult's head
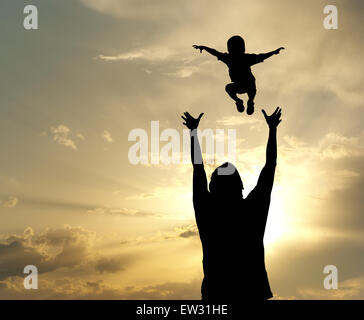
(236, 45)
(226, 182)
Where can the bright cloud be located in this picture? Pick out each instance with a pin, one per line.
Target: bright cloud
(107, 136)
(61, 135)
(11, 202)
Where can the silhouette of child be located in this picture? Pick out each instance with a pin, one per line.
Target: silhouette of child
(239, 64)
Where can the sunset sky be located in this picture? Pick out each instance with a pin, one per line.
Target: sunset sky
(97, 226)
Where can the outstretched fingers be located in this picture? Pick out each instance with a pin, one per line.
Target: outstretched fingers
(188, 118)
(264, 113)
(279, 114)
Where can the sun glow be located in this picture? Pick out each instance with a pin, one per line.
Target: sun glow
(276, 223)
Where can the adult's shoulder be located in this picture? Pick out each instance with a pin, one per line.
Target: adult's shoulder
(201, 198)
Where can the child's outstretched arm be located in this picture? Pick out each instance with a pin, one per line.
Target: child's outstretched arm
(264, 56)
(207, 49)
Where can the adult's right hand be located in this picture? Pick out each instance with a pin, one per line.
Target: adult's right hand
(274, 119)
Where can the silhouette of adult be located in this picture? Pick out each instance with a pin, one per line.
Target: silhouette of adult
(232, 228)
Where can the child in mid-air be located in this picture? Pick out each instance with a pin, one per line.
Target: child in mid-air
(239, 64)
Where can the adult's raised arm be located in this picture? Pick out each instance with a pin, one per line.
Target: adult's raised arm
(273, 121)
(199, 174)
(266, 178)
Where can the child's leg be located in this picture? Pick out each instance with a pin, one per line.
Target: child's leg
(232, 89)
(252, 91)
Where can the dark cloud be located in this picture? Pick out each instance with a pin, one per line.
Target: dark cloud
(111, 265)
(64, 289)
(343, 207)
(187, 231)
(298, 268)
(15, 256)
(180, 232)
(166, 291)
(54, 249)
(73, 288)
(187, 234)
(71, 245)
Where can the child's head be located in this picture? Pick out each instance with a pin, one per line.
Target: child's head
(236, 44)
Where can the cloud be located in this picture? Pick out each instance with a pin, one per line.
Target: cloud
(144, 196)
(119, 211)
(11, 202)
(343, 205)
(125, 56)
(48, 251)
(75, 288)
(184, 71)
(351, 289)
(337, 146)
(59, 289)
(232, 121)
(239, 121)
(107, 136)
(166, 291)
(61, 135)
(152, 54)
(164, 192)
(163, 60)
(185, 231)
(180, 232)
(109, 265)
(299, 272)
(80, 136)
(70, 251)
(157, 9)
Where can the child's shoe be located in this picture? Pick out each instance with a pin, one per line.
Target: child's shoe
(240, 105)
(250, 109)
